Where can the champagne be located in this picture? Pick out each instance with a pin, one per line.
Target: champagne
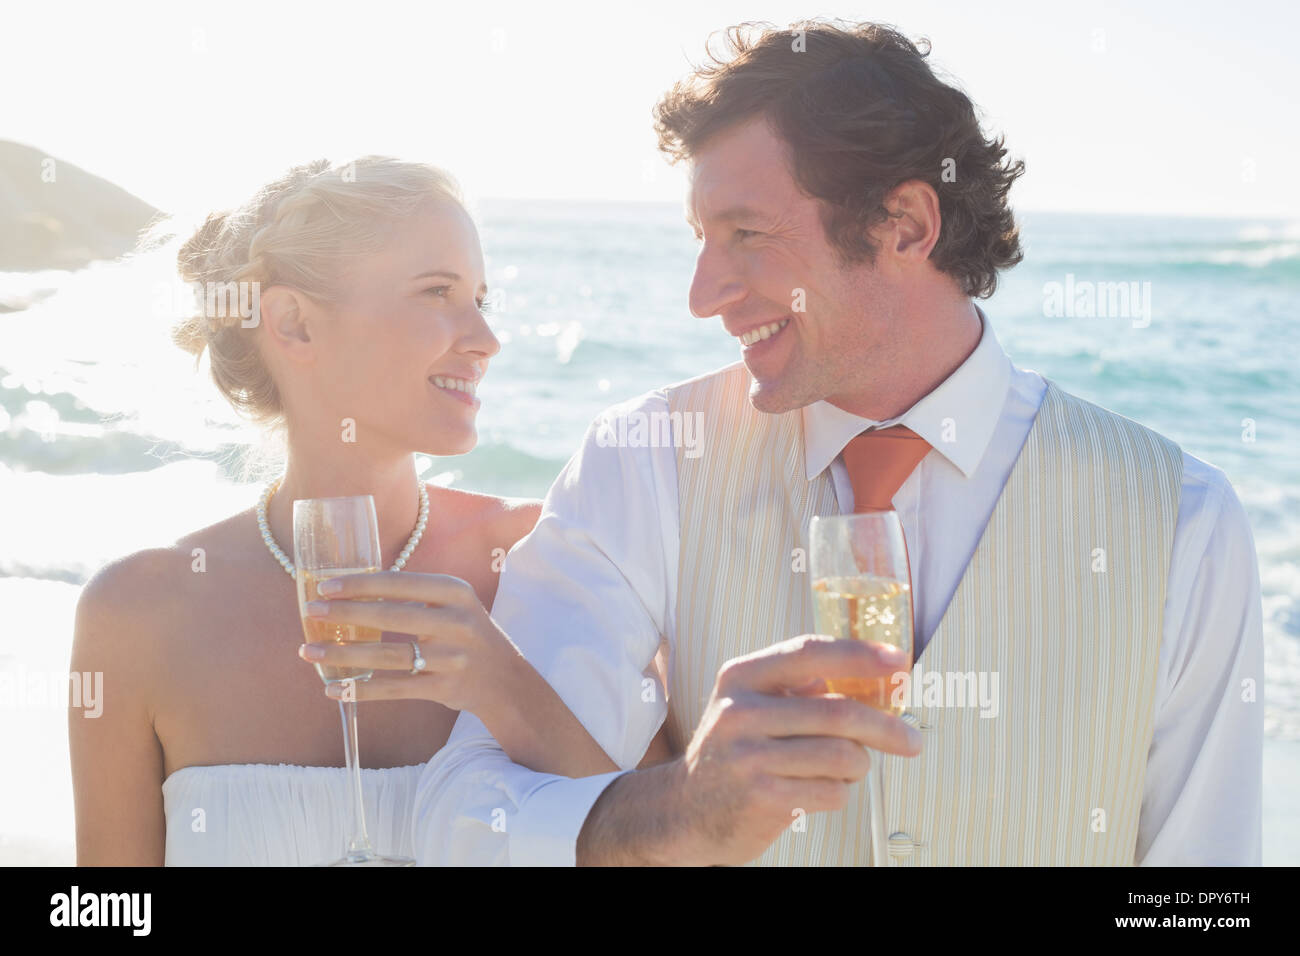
(319, 631)
(861, 590)
(865, 607)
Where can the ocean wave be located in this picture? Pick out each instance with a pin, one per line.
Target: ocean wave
(1266, 232)
(1256, 258)
(1125, 265)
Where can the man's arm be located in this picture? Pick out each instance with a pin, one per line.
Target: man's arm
(473, 807)
(586, 598)
(1202, 803)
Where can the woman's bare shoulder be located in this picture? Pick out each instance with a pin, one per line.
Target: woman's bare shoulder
(132, 583)
(121, 613)
(501, 520)
(139, 595)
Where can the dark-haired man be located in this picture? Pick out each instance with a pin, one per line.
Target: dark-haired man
(849, 210)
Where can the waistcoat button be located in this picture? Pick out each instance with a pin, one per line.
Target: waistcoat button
(901, 844)
(912, 720)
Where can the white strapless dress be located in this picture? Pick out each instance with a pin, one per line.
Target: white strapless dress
(281, 814)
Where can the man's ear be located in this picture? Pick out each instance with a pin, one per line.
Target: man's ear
(284, 312)
(914, 214)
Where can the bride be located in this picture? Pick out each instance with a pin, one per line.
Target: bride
(217, 743)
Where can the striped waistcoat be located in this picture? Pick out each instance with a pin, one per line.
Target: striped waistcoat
(1056, 777)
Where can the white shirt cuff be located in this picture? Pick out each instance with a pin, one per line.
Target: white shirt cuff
(548, 824)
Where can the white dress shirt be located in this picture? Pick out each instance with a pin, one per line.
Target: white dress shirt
(588, 595)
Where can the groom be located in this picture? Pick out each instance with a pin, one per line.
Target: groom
(849, 210)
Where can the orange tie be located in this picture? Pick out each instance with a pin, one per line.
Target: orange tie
(879, 461)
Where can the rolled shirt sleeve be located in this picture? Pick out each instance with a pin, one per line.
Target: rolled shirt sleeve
(587, 597)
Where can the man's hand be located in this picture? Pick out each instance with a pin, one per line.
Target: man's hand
(764, 747)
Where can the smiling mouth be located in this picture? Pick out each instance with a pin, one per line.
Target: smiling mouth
(456, 384)
(762, 332)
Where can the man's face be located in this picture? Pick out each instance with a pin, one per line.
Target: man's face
(766, 267)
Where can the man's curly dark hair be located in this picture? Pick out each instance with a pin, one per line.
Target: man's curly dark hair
(861, 112)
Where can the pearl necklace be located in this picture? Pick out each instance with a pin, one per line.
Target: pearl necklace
(288, 565)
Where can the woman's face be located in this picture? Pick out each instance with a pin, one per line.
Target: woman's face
(405, 345)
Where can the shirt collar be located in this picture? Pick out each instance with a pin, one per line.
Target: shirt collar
(971, 397)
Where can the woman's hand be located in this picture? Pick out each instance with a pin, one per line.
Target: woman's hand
(470, 665)
(467, 657)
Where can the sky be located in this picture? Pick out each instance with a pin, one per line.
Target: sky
(1159, 107)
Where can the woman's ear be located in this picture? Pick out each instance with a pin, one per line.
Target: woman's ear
(286, 314)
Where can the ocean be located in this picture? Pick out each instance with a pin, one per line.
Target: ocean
(110, 440)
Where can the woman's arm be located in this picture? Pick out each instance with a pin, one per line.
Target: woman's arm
(537, 730)
(117, 761)
(532, 749)
(659, 750)
(471, 663)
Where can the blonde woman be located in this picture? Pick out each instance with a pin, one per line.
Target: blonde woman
(217, 743)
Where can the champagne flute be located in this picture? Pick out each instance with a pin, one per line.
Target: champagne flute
(862, 591)
(334, 536)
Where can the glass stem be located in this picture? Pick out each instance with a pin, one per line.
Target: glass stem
(876, 781)
(358, 841)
